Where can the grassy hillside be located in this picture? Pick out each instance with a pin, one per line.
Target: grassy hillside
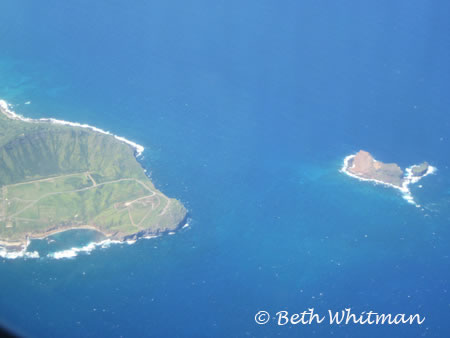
(30, 151)
(55, 177)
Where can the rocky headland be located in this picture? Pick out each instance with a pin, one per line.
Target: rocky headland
(58, 176)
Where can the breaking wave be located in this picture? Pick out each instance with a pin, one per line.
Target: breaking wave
(73, 252)
(18, 254)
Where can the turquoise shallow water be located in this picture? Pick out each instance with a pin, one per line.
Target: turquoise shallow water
(246, 112)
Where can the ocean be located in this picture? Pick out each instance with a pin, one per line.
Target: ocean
(246, 110)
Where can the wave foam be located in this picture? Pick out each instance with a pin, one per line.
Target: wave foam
(73, 252)
(4, 253)
(7, 109)
(18, 254)
(408, 179)
(87, 249)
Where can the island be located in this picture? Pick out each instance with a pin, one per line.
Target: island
(57, 176)
(363, 166)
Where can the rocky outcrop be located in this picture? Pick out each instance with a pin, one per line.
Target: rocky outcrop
(420, 170)
(365, 166)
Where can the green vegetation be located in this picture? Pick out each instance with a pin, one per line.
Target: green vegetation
(55, 177)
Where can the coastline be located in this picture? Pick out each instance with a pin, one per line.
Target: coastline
(5, 109)
(88, 248)
(18, 249)
(408, 179)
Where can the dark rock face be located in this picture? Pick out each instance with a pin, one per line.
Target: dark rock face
(365, 166)
(421, 169)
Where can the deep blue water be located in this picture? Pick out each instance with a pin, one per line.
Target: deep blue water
(246, 110)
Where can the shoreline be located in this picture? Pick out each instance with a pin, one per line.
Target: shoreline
(5, 109)
(7, 248)
(408, 179)
(57, 231)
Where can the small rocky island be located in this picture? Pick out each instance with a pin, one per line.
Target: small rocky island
(363, 166)
(420, 170)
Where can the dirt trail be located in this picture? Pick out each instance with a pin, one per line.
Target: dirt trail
(165, 208)
(46, 179)
(92, 179)
(79, 190)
